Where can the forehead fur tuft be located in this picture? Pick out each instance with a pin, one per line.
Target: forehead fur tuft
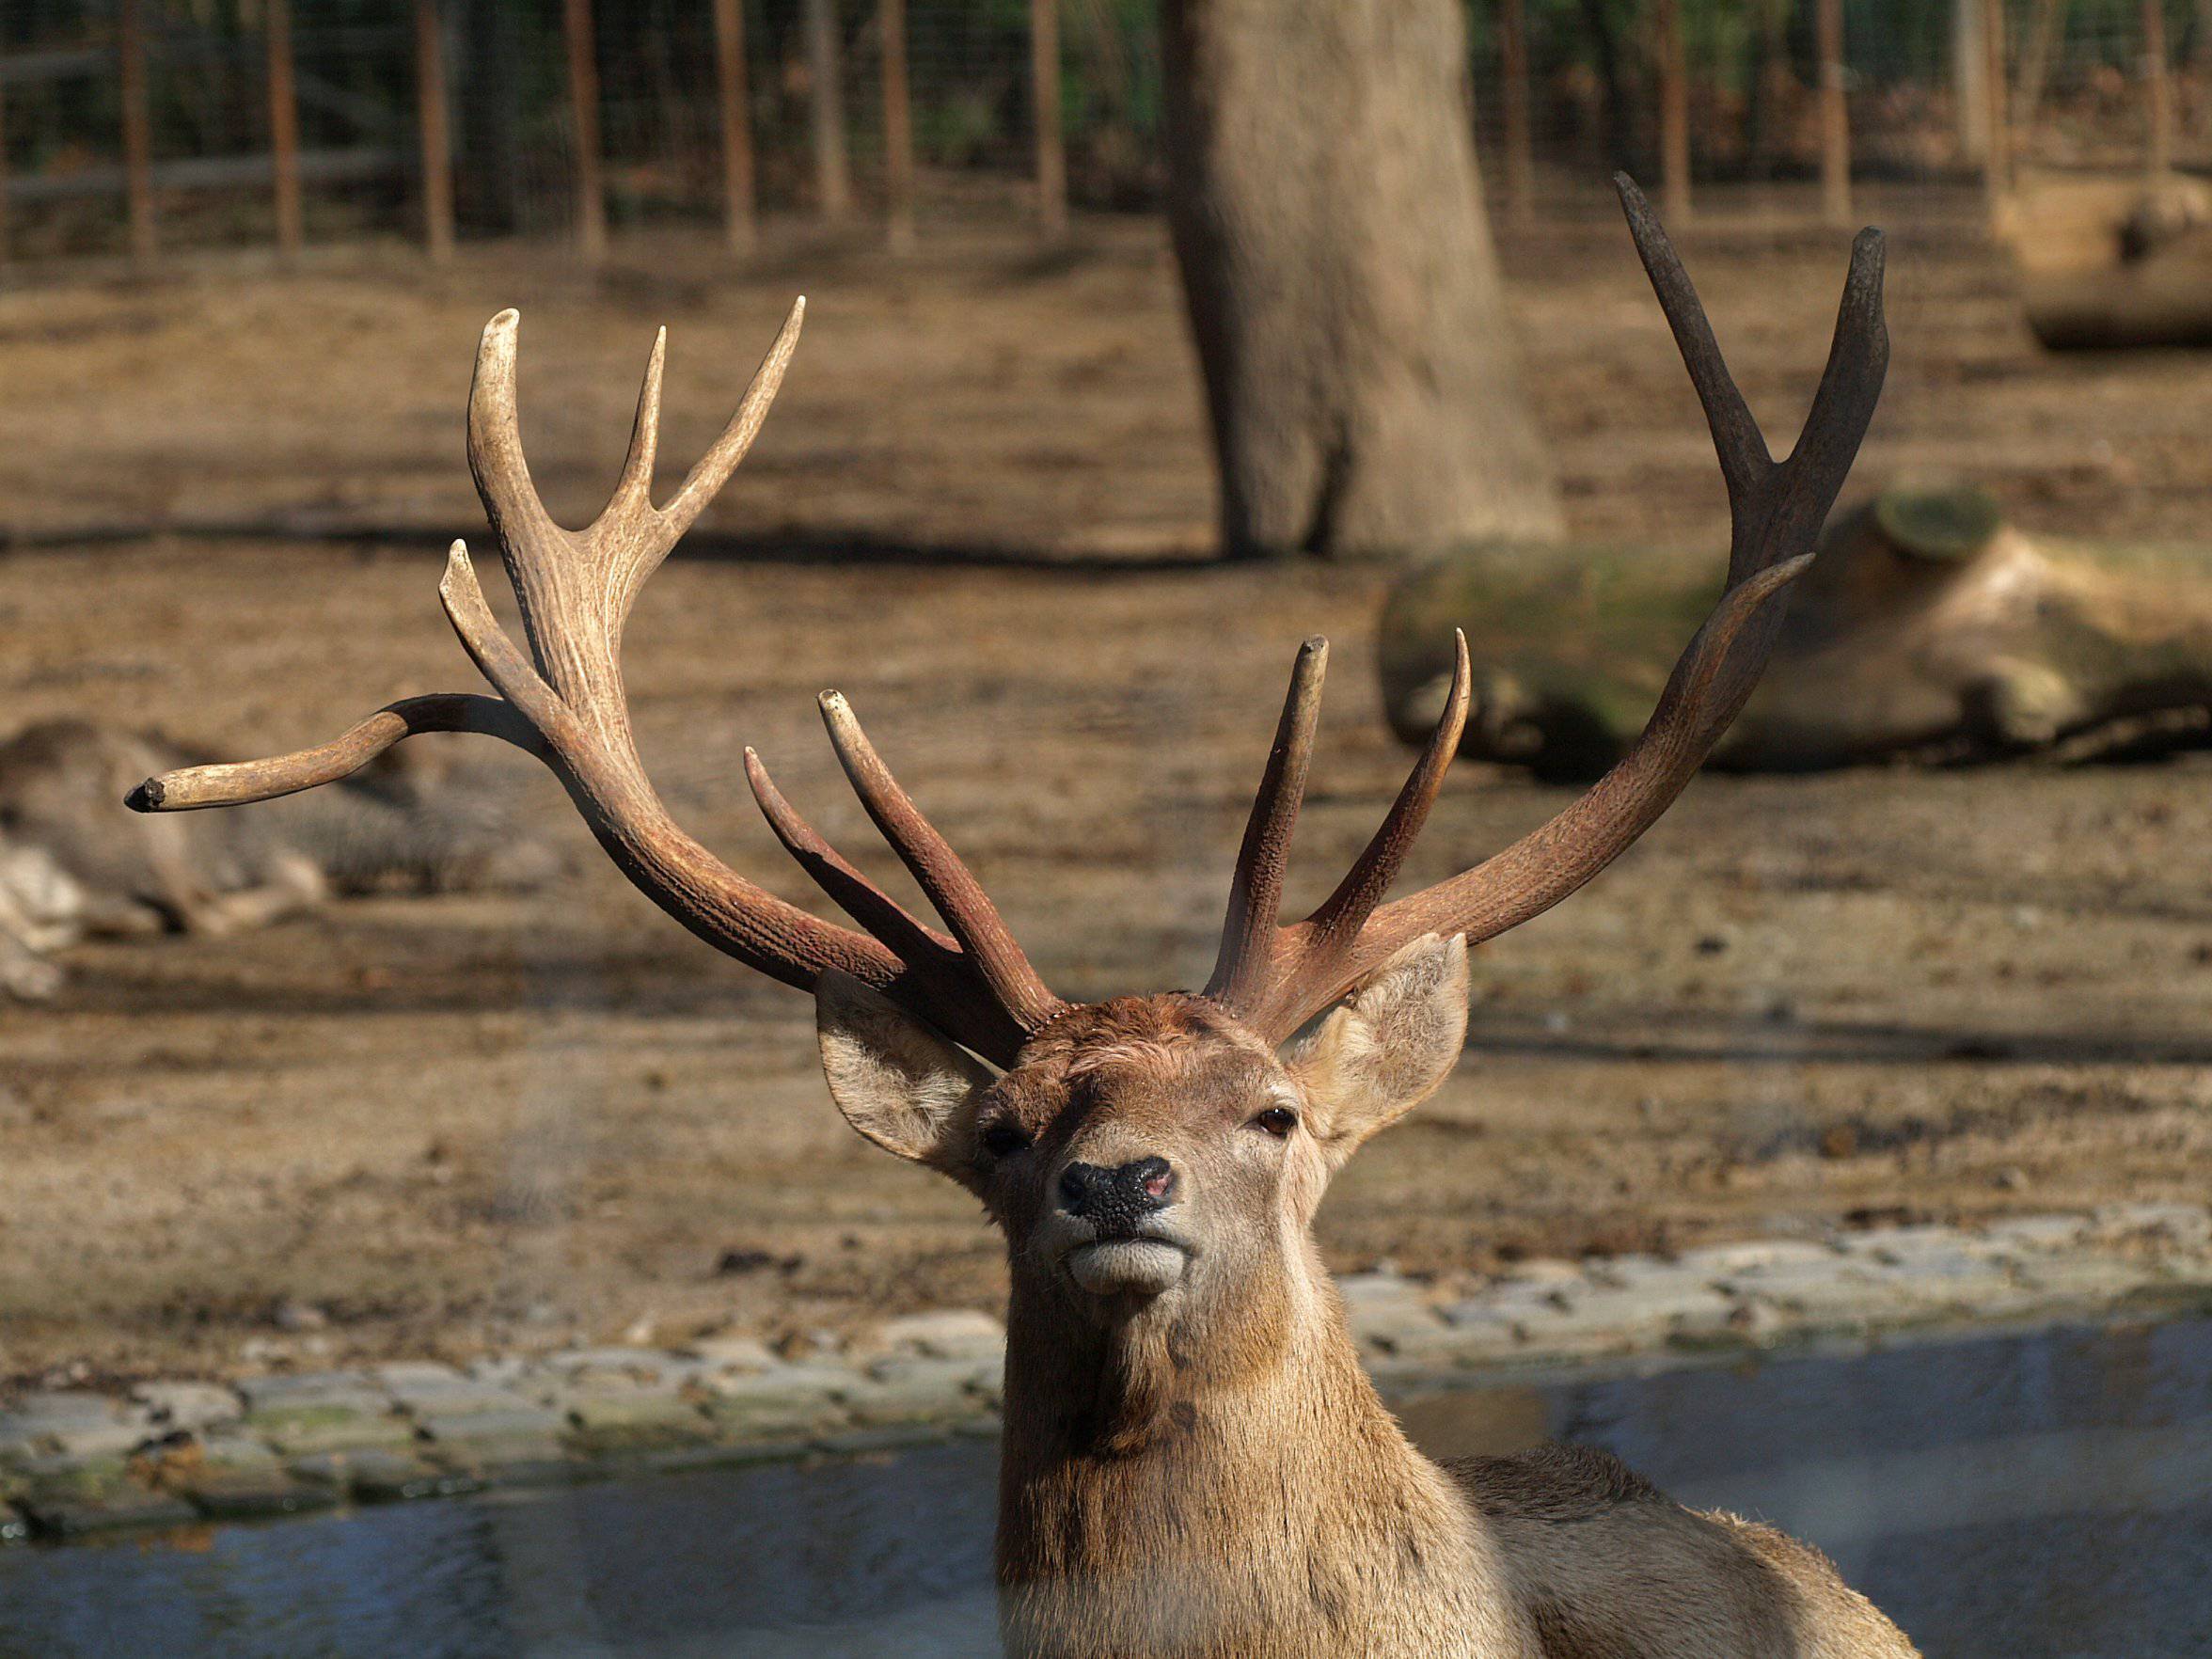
(1134, 1029)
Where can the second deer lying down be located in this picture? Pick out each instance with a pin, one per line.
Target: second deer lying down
(1194, 1462)
(72, 867)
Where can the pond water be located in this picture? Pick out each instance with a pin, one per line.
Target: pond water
(2043, 1496)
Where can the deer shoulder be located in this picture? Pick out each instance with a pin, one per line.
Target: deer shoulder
(1607, 1567)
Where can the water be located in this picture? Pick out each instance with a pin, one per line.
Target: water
(2036, 1497)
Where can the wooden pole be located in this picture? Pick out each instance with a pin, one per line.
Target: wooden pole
(1674, 116)
(2159, 88)
(283, 128)
(898, 126)
(3, 164)
(137, 127)
(739, 208)
(826, 100)
(2035, 59)
(1969, 65)
(583, 97)
(434, 125)
(1044, 80)
(1834, 117)
(1519, 171)
(1996, 169)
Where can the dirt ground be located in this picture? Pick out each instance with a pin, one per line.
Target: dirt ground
(440, 1124)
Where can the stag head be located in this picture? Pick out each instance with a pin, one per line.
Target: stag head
(1148, 1157)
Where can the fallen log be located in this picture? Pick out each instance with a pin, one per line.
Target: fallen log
(1930, 629)
(2107, 264)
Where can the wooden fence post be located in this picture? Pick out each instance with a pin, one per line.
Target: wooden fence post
(137, 127)
(739, 211)
(434, 127)
(3, 163)
(898, 126)
(1834, 117)
(2158, 85)
(583, 97)
(826, 100)
(1969, 65)
(283, 128)
(1996, 175)
(1674, 115)
(1519, 171)
(2043, 31)
(1044, 79)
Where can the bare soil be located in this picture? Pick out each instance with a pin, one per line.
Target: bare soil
(443, 1125)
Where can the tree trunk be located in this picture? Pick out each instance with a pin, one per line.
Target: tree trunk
(1343, 289)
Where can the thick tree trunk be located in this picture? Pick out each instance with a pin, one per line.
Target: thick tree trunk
(1343, 289)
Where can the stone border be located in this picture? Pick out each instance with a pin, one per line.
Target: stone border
(75, 1463)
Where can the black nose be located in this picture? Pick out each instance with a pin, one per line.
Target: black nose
(1114, 1200)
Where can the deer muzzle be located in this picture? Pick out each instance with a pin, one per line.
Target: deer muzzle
(1110, 1229)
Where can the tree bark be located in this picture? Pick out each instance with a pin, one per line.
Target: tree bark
(1342, 286)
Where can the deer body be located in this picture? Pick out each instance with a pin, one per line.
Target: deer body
(1195, 1465)
(100, 873)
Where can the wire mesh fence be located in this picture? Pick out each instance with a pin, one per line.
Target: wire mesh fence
(128, 126)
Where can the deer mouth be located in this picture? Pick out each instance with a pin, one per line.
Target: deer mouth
(1144, 1265)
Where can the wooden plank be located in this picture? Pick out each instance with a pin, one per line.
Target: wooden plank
(434, 125)
(583, 98)
(1051, 154)
(739, 208)
(826, 112)
(1835, 116)
(137, 127)
(898, 126)
(216, 173)
(283, 127)
(1520, 158)
(1674, 115)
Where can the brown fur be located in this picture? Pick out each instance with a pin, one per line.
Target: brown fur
(1205, 1471)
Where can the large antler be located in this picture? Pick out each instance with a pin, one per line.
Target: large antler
(1277, 978)
(564, 703)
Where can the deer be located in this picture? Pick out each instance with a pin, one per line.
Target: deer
(1194, 1462)
(70, 870)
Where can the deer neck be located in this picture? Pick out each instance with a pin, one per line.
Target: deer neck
(1242, 1492)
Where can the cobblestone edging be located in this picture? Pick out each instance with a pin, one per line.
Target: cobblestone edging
(77, 1461)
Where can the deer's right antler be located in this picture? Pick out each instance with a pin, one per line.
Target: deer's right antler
(564, 703)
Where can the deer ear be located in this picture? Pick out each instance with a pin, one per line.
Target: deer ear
(1384, 1051)
(895, 1080)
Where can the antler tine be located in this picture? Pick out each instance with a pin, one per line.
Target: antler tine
(1775, 509)
(951, 888)
(712, 469)
(634, 489)
(1347, 909)
(1255, 890)
(1744, 459)
(855, 894)
(947, 988)
(495, 437)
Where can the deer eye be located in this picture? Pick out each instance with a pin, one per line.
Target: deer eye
(1003, 1138)
(1277, 1120)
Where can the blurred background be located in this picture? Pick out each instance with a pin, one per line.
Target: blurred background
(409, 1074)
